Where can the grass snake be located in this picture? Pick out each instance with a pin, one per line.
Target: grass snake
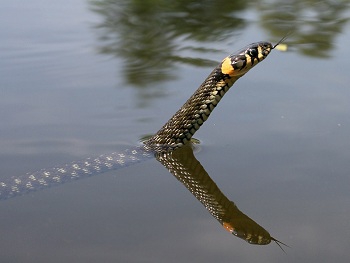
(170, 146)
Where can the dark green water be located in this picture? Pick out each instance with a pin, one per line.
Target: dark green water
(83, 78)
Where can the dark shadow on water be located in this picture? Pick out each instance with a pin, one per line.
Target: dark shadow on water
(314, 25)
(187, 169)
(152, 36)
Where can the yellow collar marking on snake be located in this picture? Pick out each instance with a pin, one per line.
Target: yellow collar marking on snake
(179, 130)
(226, 67)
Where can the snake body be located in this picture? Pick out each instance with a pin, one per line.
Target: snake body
(177, 132)
(190, 117)
(30, 182)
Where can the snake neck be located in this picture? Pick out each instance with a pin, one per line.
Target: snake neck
(179, 130)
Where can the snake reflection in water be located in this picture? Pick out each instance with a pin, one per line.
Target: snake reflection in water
(168, 146)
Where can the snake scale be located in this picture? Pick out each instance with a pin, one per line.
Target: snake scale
(176, 133)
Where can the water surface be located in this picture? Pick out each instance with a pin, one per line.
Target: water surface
(83, 78)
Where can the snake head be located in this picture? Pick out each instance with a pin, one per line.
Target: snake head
(239, 63)
(257, 52)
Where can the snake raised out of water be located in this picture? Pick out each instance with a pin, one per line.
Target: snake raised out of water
(170, 146)
(177, 132)
(189, 118)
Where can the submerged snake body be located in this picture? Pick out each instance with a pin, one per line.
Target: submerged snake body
(30, 182)
(177, 132)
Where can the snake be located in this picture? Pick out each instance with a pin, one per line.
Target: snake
(188, 170)
(171, 146)
(176, 133)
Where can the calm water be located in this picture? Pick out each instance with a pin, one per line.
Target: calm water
(83, 78)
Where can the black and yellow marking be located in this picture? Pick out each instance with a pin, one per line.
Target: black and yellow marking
(226, 67)
(179, 130)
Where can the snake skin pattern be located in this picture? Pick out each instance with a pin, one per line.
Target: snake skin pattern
(16, 186)
(177, 132)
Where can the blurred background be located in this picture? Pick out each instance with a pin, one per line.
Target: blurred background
(82, 78)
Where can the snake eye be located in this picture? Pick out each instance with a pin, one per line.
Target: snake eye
(238, 64)
(253, 52)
